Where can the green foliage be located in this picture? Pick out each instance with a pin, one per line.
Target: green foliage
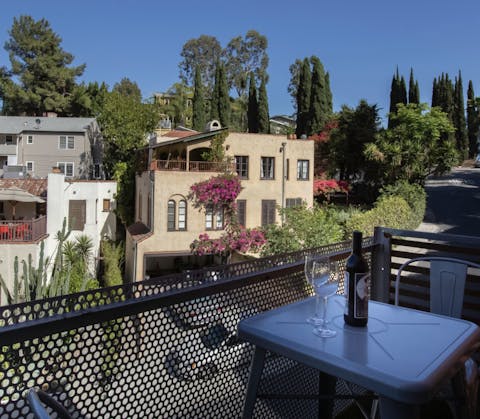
(263, 112)
(216, 153)
(413, 89)
(417, 146)
(473, 120)
(252, 111)
(41, 79)
(112, 259)
(398, 95)
(176, 108)
(459, 120)
(199, 117)
(318, 111)
(128, 88)
(125, 124)
(220, 103)
(303, 97)
(303, 228)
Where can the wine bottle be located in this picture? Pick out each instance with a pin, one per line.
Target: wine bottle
(356, 285)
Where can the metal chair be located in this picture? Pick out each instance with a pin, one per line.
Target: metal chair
(38, 398)
(447, 287)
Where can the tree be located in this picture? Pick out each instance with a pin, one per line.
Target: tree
(199, 118)
(243, 56)
(252, 111)
(295, 70)
(328, 93)
(126, 87)
(398, 94)
(176, 108)
(413, 89)
(125, 124)
(473, 120)
(205, 52)
(416, 147)
(303, 97)
(459, 119)
(263, 112)
(356, 128)
(220, 103)
(318, 111)
(41, 66)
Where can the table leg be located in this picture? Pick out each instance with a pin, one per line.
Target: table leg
(326, 387)
(256, 369)
(392, 409)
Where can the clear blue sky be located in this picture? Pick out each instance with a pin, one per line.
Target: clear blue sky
(359, 42)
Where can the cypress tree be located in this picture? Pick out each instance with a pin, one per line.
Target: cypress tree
(303, 97)
(318, 113)
(198, 103)
(413, 90)
(459, 119)
(472, 120)
(215, 94)
(328, 93)
(435, 101)
(393, 98)
(263, 112)
(252, 110)
(402, 91)
(224, 98)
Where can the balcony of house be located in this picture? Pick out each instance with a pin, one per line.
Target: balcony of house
(22, 231)
(190, 166)
(8, 149)
(168, 347)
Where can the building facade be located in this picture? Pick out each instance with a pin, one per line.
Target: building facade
(274, 172)
(36, 144)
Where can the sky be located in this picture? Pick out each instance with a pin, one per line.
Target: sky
(360, 43)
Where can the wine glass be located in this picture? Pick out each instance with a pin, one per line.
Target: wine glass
(317, 271)
(327, 286)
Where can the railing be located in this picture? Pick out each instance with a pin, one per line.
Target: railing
(193, 166)
(160, 348)
(23, 230)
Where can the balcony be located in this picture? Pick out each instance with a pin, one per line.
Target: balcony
(155, 349)
(190, 166)
(15, 231)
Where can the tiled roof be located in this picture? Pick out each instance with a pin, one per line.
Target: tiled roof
(19, 124)
(139, 231)
(37, 187)
(179, 134)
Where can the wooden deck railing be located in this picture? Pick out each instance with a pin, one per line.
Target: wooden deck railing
(22, 230)
(193, 166)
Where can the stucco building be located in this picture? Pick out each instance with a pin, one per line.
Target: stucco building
(274, 172)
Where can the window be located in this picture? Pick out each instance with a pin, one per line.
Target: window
(9, 139)
(241, 166)
(66, 168)
(66, 142)
(77, 214)
(213, 220)
(29, 166)
(268, 211)
(242, 211)
(267, 168)
(106, 205)
(171, 215)
(302, 169)
(293, 202)
(182, 215)
(29, 139)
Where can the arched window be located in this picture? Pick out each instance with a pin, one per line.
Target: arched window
(182, 215)
(171, 215)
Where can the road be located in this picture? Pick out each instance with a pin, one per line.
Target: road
(453, 203)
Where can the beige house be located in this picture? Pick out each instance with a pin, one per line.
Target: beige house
(275, 172)
(31, 146)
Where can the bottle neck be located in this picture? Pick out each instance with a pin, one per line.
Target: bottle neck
(357, 243)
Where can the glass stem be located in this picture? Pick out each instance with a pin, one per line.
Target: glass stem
(317, 306)
(325, 301)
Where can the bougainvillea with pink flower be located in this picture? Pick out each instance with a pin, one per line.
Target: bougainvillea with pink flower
(328, 186)
(220, 193)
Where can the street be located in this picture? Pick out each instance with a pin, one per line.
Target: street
(453, 203)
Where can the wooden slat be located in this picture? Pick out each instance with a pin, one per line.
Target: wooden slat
(468, 250)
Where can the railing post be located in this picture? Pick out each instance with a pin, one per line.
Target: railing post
(381, 258)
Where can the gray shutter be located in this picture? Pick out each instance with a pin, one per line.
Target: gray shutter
(77, 210)
(242, 211)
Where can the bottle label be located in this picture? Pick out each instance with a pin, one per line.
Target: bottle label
(361, 295)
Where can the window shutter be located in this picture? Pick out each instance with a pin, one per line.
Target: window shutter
(242, 211)
(76, 214)
(268, 211)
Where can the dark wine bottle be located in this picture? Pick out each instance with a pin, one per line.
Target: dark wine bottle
(357, 277)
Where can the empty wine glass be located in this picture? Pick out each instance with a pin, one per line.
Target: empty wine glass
(327, 286)
(317, 271)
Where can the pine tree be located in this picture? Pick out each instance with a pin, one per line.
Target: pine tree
(198, 103)
(413, 90)
(263, 112)
(459, 119)
(303, 97)
(252, 110)
(473, 121)
(318, 113)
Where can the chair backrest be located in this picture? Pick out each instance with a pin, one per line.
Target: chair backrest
(447, 283)
(36, 400)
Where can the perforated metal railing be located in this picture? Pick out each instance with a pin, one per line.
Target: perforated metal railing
(162, 348)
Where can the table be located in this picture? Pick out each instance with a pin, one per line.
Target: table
(404, 355)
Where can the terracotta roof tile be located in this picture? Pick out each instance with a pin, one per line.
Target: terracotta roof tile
(139, 231)
(37, 187)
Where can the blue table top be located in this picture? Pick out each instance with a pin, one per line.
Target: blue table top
(403, 354)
